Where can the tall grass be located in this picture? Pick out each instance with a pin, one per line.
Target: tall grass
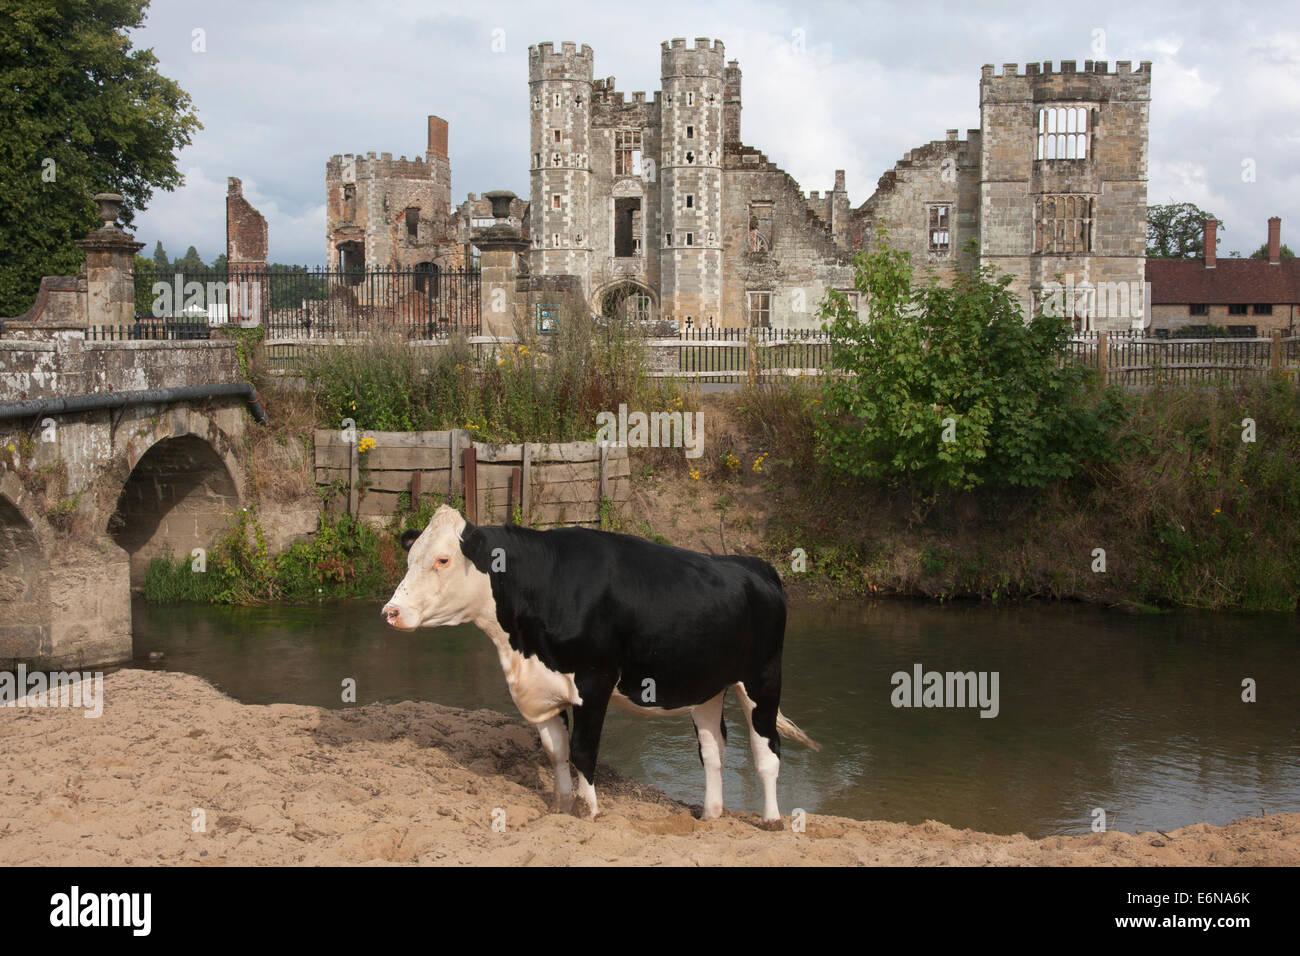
(544, 388)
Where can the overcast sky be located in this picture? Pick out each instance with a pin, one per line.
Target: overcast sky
(283, 85)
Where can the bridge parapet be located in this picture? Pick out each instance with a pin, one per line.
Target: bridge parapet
(66, 363)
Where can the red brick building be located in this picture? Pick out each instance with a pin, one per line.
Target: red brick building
(1248, 297)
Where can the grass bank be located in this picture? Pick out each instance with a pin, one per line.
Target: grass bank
(1185, 510)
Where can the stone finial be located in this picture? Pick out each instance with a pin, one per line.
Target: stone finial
(110, 205)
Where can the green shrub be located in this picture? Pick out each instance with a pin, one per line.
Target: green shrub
(949, 387)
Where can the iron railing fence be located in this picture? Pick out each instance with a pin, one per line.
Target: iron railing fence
(302, 303)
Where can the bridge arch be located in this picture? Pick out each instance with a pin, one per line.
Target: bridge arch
(176, 482)
(24, 575)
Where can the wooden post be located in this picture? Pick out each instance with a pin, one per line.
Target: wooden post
(1275, 351)
(453, 461)
(604, 470)
(515, 496)
(415, 490)
(526, 479)
(1103, 356)
(471, 485)
(354, 478)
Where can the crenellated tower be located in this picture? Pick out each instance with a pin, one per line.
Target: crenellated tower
(690, 174)
(559, 86)
(1063, 178)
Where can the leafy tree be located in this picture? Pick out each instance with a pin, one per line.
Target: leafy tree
(949, 387)
(190, 262)
(1262, 252)
(1177, 231)
(83, 113)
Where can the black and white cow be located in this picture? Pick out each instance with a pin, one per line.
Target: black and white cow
(580, 617)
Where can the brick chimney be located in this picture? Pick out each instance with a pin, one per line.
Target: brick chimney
(438, 136)
(1275, 240)
(1211, 238)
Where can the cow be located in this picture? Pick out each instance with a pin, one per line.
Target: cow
(581, 617)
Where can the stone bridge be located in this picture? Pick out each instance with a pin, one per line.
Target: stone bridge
(114, 451)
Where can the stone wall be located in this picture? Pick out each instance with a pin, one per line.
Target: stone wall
(71, 365)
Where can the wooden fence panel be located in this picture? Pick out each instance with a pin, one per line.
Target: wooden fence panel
(553, 483)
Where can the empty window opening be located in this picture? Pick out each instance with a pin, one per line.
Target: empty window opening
(690, 158)
(413, 221)
(627, 227)
(690, 200)
(939, 230)
(1063, 132)
(690, 238)
(690, 99)
(555, 135)
(555, 200)
(690, 132)
(1063, 224)
(760, 226)
(426, 279)
(352, 261)
(627, 152)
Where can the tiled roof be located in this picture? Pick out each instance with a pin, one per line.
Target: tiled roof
(1246, 281)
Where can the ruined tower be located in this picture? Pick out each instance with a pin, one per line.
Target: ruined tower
(691, 180)
(559, 87)
(1063, 180)
(390, 213)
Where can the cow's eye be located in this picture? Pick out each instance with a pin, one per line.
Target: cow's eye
(443, 561)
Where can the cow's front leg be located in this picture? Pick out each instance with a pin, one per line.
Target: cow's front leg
(588, 719)
(555, 741)
(711, 733)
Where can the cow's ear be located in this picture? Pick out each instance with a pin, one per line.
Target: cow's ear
(408, 538)
(474, 545)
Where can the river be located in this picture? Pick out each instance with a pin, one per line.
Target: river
(1139, 716)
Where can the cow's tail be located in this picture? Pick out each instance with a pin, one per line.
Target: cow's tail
(790, 731)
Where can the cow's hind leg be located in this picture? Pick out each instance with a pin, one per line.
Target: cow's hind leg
(555, 741)
(710, 732)
(588, 719)
(760, 712)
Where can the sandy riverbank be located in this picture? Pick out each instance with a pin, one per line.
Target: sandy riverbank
(418, 783)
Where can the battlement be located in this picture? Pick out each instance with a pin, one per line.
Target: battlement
(1040, 81)
(704, 57)
(1091, 67)
(571, 63)
(378, 166)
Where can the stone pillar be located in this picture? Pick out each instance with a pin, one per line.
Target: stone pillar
(500, 246)
(110, 269)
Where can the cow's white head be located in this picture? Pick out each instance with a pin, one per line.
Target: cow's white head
(442, 586)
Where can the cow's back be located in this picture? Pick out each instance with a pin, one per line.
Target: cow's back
(579, 598)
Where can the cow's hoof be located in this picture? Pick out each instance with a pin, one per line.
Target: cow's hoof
(561, 804)
(712, 813)
(773, 824)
